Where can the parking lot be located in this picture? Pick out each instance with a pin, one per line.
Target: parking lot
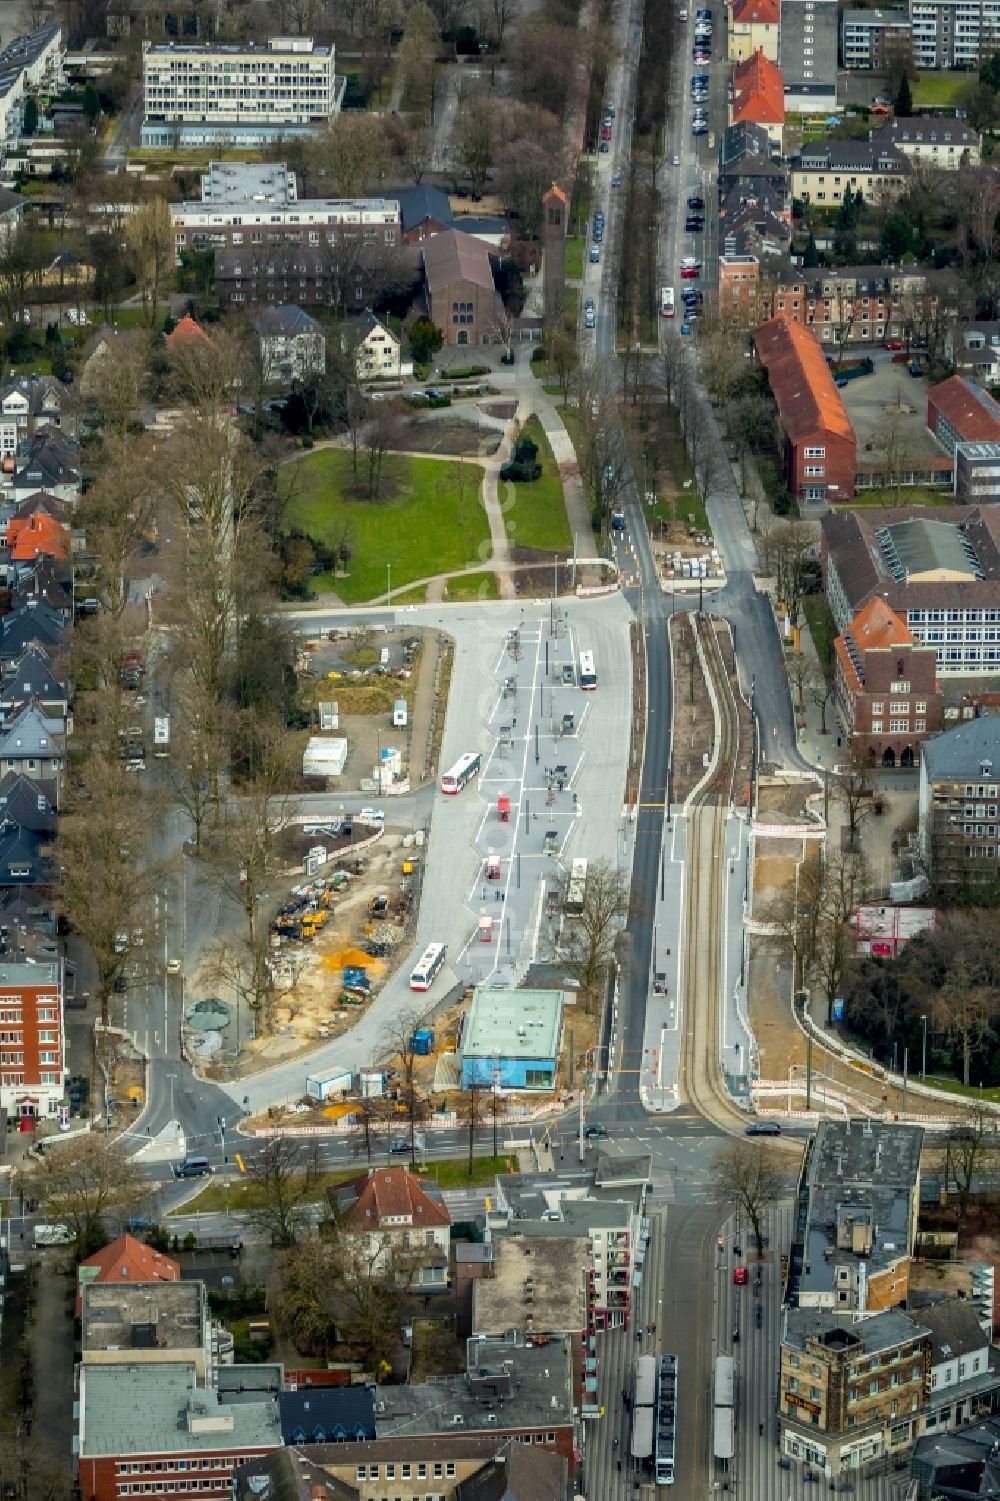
(889, 407)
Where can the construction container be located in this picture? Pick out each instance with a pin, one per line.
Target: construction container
(422, 1042)
(323, 1086)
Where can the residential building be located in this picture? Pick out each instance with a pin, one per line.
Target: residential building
(974, 349)
(754, 26)
(739, 289)
(937, 567)
(28, 803)
(758, 96)
(50, 461)
(426, 211)
(32, 744)
(958, 411)
(885, 689)
(824, 170)
(36, 536)
(30, 677)
(512, 1038)
(31, 622)
(850, 1393)
(125, 1261)
(932, 139)
(143, 1425)
(462, 298)
(449, 1468)
(30, 64)
(864, 304)
(961, 34)
(868, 38)
(46, 581)
(820, 450)
(402, 1225)
(24, 861)
(959, 1466)
(960, 1362)
(544, 1285)
(292, 345)
(858, 1198)
(809, 56)
(746, 151)
(32, 1048)
(90, 372)
(311, 275)
(957, 802)
(378, 352)
(29, 403)
(150, 1322)
(211, 95)
(255, 206)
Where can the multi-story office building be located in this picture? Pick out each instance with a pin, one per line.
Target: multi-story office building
(809, 55)
(868, 37)
(209, 95)
(32, 1056)
(959, 823)
(954, 33)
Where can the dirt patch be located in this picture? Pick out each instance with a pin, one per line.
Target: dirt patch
(124, 1071)
(771, 874)
(782, 802)
(693, 729)
(459, 436)
(501, 411)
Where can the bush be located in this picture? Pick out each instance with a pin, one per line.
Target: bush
(524, 467)
(308, 441)
(467, 372)
(538, 354)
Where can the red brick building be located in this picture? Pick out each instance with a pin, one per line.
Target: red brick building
(32, 1055)
(959, 411)
(886, 692)
(820, 447)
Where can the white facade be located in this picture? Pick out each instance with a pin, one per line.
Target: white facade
(954, 33)
(378, 355)
(241, 94)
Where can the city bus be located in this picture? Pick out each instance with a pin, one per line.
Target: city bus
(666, 302)
(666, 1421)
(425, 970)
(588, 672)
(576, 888)
(464, 769)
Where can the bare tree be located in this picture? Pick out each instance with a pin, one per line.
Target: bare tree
(470, 1115)
(352, 152)
(591, 936)
(381, 433)
(790, 546)
(748, 1179)
(285, 1178)
(117, 390)
(965, 1008)
(118, 513)
(474, 141)
(411, 1096)
(150, 235)
(80, 1182)
(853, 788)
(369, 1125)
(971, 1148)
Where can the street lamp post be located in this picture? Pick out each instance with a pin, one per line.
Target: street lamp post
(388, 583)
(923, 1061)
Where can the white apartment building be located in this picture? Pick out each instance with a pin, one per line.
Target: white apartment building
(31, 64)
(954, 33)
(256, 204)
(212, 95)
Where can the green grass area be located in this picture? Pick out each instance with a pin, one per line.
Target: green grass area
(535, 514)
(417, 596)
(38, 364)
(822, 630)
(472, 586)
(430, 521)
(972, 1093)
(239, 1193)
(576, 246)
(938, 90)
(908, 495)
(571, 301)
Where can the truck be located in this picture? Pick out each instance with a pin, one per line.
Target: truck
(323, 1086)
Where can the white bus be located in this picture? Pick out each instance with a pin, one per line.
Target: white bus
(576, 888)
(425, 970)
(666, 302)
(588, 672)
(464, 769)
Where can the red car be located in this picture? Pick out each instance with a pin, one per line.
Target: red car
(741, 1276)
(893, 343)
(689, 273)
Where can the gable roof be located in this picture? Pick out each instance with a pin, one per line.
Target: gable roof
(41, 500)
(967, 408)
(875, 625)
(388, 1193)
(32, 621)
(186, 332)
(131, 1259)
(286, 321)
(30, 536)
(800, 380)
(28, 803)
(937, 131)
(366, 323)
(452, 256)
(756, 13)
(758, 91)
(955, 1329)
(39, 391)
(421, 203)
(20, 851)
(29, 733)
(30, 675)
(52, 459)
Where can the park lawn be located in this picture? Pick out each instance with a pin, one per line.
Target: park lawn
(938, 90)
(822, 629)
(414, 596)
(535, 514)
(472, 586)
(238, 1194)
(430, 521)
(576, 246)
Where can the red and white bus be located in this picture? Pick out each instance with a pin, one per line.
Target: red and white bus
(588, 672)
(666, 302)
(464, 769)
(425, 970)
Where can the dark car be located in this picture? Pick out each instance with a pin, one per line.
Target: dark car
(694, 225)
(398, 1146)
(598, 1130)
(763, 1128)
(695, 202)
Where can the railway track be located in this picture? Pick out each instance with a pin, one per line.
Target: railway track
(701, 1080)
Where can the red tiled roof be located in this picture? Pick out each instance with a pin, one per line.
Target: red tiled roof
(758, 91)
(129, 1260)
(969, 409)
(391, 1193)
(186, 331)
(756, 12)
(30, 537)
(800, 380)
(875, 625)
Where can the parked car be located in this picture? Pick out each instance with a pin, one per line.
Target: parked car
(685, 328)
(616, 181)
(589, 318)
(605, 148)
(676, 160)
(893, 344)
(595, 254)
(694, 226)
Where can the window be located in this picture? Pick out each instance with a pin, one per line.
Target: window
(876, 726)
(878, 708)
(815, 453)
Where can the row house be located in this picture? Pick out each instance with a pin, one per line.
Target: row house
(819, 457)
(824, 170)
(754, 26)
(758, 96)
(869, 304)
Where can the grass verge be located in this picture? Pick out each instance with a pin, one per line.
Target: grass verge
(575, 248)
(472, 586)
(429, 521)
(240, 1193)
(909, 495)
(822, 629)
(535, 514)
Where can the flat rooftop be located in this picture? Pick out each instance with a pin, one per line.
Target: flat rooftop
(530, 1195)
(159, 1409)
(301, 46)
(142, 1315)
(240, 182)
(533, 1276)
(508, 1384)
(882, 1331)
(513, 1024)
